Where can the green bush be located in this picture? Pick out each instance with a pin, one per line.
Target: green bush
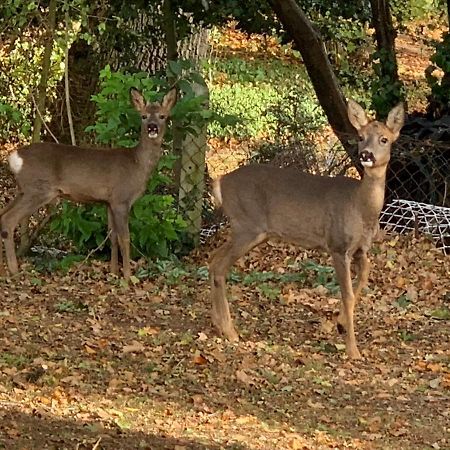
(12, 122)
(19, 78)
(263, 96)
(440, 88)
(247, 102)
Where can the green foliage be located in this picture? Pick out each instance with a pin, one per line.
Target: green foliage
(269, 98)
(11, 121)
(440, 87)
(19, 78)
(23, 25)
(307, 273)
(416, 9)
(386, 93)
(249, 103)
(69, 306)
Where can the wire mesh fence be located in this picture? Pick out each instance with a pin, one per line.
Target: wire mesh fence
(417, 197)
(405, 216)
(419, 171)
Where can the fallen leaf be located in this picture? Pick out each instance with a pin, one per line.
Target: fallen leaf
(199, 359)
(243, 377)
(134, 347)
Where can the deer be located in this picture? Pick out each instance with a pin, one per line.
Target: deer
(337, 214)
(116, 177)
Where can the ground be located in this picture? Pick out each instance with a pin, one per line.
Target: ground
(87, 359)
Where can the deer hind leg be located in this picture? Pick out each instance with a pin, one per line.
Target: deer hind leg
(2, 213)
(24, 205)
(223, 258)
(343, 274)
(362, 264)
(120, 218)
(114, 243)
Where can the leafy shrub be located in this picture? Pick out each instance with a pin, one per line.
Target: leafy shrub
(263, 95)
(440, 88)
(20, 61)
(385, 92)
(12, 122)
(249, 103)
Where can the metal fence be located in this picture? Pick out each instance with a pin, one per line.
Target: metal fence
(417, 188)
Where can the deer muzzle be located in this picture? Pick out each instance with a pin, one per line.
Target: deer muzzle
(367, 158)
(152, 130)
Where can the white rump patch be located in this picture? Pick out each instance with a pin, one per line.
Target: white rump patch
(15, 162)
(367, 163)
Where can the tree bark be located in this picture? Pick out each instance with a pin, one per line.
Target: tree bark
(382, 22)
(25, 242)
(42, 88)
(319, 70)
(170, 32)
(388, 68)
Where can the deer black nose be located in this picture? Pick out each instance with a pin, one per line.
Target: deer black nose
(367, 158)
(152, 129)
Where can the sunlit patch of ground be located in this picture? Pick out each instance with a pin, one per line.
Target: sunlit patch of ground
(85, 356)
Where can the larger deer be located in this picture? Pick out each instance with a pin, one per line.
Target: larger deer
(339, 215)
(116, 177)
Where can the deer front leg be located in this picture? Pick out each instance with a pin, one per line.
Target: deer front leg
(362, 273)
(343, 274)
(114, 243)
(120, 217)
(2, 213)
(363, 268)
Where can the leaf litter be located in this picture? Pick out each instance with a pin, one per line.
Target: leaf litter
(85, 357)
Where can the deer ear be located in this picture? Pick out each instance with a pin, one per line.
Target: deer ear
(396, 119)
(137, 99)
(357, 116)
(169, 100)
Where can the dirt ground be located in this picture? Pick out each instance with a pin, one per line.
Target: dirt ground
(87, 359)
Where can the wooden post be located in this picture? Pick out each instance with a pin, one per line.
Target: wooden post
(192, 175)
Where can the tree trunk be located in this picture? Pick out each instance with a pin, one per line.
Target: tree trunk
(319, 70)
(388, 69)
(448, 13)
(25, 242)
(382, 22)
(42, 88)
(170, 32)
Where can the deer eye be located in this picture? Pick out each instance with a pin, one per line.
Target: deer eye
(162, 116)
(384, 140)
(144, 116)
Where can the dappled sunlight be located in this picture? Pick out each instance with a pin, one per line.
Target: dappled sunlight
(139, 362)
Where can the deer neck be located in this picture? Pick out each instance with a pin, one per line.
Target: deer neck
(148, 152)
(371, 192)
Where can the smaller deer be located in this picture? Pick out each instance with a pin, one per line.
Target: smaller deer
(116, 177)
(339, 215)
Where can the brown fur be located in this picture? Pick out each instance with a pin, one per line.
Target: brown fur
(339, 215)
(116, 177)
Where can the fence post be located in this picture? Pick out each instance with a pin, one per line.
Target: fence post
(192, 175)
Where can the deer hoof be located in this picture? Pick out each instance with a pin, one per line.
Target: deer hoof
(353, 353)
(231, 335)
